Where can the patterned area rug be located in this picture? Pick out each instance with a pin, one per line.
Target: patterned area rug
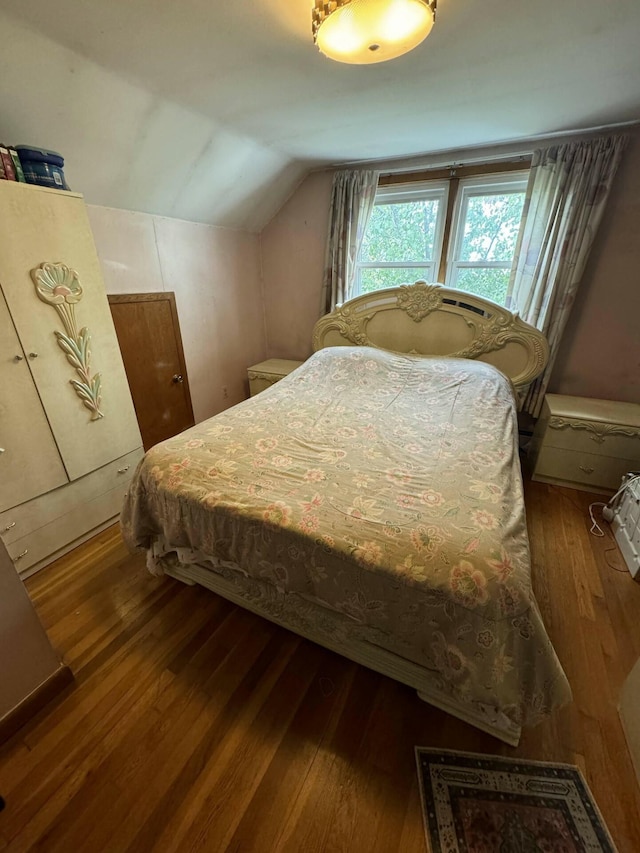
(486, 804)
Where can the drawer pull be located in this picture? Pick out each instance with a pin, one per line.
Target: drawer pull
(17, 358)
(123, 470)
(2, 450)
(20, 556)
(586, 469)
(33, 355)
(10, 526)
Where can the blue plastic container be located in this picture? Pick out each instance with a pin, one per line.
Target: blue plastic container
(45, 168)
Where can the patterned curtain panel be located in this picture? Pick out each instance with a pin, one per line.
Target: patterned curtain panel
(352, 201)
(566, 196)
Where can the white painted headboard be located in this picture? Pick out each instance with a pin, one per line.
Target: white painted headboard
(427, 319)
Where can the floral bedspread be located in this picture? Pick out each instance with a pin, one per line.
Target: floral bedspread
(385, 487)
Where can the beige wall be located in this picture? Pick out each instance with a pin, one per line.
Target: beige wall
(600, 356)
(215, 274)
(293, 248)
(27, 659)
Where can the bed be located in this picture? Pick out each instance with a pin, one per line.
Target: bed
(372, 502)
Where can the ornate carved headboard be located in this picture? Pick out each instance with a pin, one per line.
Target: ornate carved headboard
(427, 319)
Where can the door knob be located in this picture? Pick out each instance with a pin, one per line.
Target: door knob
(17, 358)
(33, 355)
(177, 377)
(1, 449)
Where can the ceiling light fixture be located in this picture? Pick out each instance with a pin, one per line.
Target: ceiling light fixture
(362, 32)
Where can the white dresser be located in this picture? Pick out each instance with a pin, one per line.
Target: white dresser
(585, 443)
(69, 437)
(268, 372)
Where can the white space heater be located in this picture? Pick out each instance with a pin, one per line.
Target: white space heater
(625, 521)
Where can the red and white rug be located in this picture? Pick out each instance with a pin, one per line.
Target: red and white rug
(487, 804)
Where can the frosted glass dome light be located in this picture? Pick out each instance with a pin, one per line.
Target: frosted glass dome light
(362, 32)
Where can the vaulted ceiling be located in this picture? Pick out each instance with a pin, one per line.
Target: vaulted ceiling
(213, 110)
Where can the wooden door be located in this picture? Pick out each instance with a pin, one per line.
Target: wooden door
(29, 460)
(151, 345)
(45, 227)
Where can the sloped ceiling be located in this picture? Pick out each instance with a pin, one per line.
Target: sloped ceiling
(212, 111)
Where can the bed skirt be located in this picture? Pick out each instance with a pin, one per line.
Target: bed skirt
(328, 628)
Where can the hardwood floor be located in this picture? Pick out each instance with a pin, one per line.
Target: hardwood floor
(194, 725)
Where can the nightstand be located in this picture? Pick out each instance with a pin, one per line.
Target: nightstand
(585, 444)
(267, 373)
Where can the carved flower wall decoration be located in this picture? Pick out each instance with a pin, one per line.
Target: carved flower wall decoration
(58, 285)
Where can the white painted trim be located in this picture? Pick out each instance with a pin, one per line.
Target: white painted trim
(437, 190)
(513, 182)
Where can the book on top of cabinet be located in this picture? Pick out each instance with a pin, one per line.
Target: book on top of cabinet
(7, 162)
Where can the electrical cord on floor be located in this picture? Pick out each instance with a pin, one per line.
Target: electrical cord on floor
(624, 571)
(559, 490)
(595, 527)
(596, 530)
(607, 514)
(607, 508)
(601, 533)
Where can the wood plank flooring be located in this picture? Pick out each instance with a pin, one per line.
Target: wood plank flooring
(196, 726)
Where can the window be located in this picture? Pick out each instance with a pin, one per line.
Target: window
(483, 240)
(403, 241)
(461, 232)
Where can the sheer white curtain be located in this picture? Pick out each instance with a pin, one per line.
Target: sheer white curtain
(566, 196)
(352, 200)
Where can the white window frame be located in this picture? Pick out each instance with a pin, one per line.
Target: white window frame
(419, 191)
(508, 183)
(454, 194)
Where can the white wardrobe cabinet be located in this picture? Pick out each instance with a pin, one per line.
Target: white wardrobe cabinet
(21, 415)
(66, 415)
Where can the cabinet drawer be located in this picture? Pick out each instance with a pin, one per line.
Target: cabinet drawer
(32, 515)
(46, 540)
(261, 382)
(587, 469)
(267, 373)
(591, 437)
